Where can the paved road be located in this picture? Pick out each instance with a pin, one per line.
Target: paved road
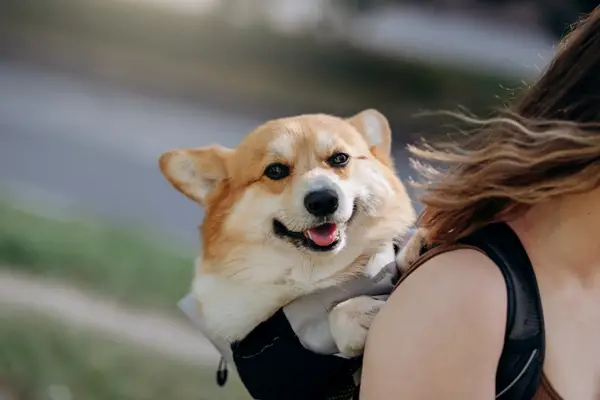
(171, 336)
(94, 148)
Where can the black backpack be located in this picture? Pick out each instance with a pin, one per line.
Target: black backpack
(273, 364)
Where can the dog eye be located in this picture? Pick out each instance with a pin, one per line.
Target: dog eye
(338, 160)
(277, 171)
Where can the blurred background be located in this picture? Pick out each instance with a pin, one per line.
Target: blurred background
(96, 248)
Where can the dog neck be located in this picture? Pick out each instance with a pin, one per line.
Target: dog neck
(232, 308)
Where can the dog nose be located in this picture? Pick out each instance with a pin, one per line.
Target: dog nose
(321, 202)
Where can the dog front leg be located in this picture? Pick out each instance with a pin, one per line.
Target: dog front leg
(350, 321)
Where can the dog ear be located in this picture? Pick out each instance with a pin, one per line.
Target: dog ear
(195, 172)
(375, 128)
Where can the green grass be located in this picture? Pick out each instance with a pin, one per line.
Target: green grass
(128, 266)
(39, 358)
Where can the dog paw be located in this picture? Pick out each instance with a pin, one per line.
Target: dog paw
(411, 250)
(350, 321)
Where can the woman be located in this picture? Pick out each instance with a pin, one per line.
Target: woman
(441, 334)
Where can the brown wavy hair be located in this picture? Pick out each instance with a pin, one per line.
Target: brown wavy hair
(546, 145)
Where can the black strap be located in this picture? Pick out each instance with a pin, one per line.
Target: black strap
(520, 367)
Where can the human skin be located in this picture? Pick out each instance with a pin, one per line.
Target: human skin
(441, 333)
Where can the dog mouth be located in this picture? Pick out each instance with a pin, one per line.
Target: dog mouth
(324, 237)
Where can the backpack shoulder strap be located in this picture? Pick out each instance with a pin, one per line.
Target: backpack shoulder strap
(520, 366)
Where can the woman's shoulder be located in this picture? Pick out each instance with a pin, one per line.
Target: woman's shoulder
(453, 274)
(460, 285)
(446, 320)
(461, 267)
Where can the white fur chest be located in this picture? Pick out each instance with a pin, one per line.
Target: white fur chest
(232, 306)
(232, 309)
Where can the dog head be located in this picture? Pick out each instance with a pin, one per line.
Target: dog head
(300, 200)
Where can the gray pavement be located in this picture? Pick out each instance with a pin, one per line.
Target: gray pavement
(92, 148)
(165, 334)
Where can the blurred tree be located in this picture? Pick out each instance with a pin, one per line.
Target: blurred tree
(555, 15)
(362, 5)
(558, 16)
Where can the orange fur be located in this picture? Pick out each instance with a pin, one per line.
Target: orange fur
(240, 250)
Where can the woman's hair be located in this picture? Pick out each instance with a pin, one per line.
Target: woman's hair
(546, 145)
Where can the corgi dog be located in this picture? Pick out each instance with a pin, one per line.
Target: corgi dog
(301, 204)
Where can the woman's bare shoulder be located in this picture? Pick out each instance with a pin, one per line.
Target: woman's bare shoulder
(441, 333)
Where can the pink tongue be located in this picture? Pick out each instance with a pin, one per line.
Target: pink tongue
(323, 235)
